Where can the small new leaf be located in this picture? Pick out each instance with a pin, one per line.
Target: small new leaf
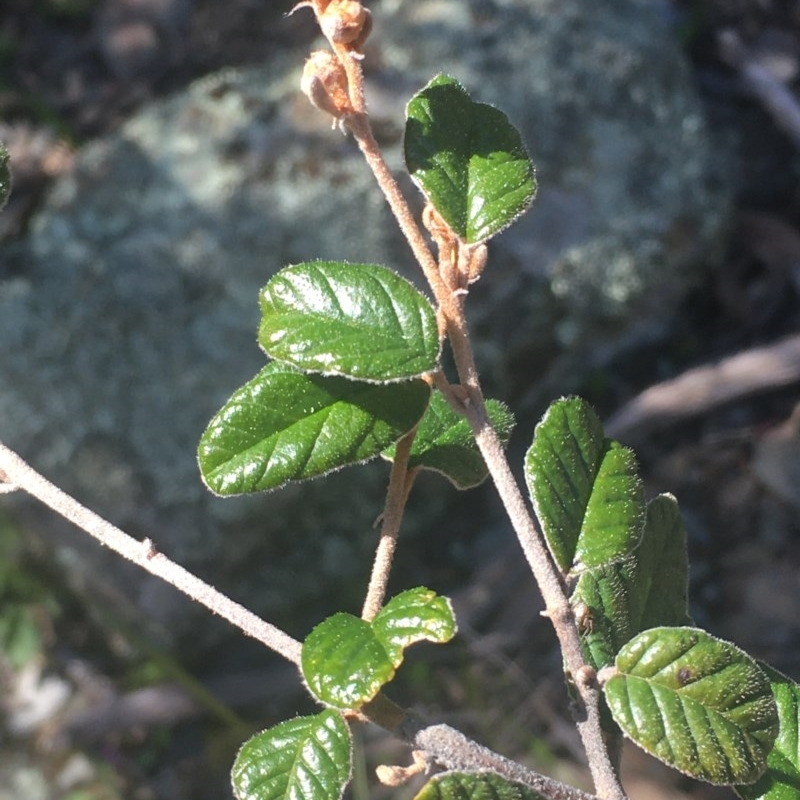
(468, 159)
(285, 426)
(346, 660)
(444, 442)
(697, 703)
(413, 616)
(308, 758)
(584, 487)
(474, 786)
(360, 321)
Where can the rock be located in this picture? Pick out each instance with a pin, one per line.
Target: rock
(137, 316)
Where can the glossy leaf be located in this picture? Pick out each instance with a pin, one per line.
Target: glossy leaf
(444, 442)
(584, 487)
(468, 160)
(344, 663)
(346, 660)
(5, 175)
(357, 320)
(781, 781)
(646, 589)
(307, 758)
(413, 616)
(697, 703)
(285, 425)
(474, 786)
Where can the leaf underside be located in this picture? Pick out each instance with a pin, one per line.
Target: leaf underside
(444, 442)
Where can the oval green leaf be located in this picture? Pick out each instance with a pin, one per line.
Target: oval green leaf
(584, 487)
(475, 786)
(344, 663)
(413, 616)
(361, 321)
(781, 781)
(695, 702)
(346, 660)
(285, 426)
(468, 159)
(444, 442)
(308, 758)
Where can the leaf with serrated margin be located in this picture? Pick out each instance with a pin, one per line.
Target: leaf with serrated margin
(361, 321)
(285, 426)
(699, 704)
(468, 159)
(661, 585)
(584, 487)
(781, 781)
(444, 442)
(307, 758)
(413, 616)
(475, 786)
(644, 590)
(344, 663)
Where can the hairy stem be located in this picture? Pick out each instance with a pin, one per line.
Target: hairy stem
(541, 563)
(144, 553)
(396, 496)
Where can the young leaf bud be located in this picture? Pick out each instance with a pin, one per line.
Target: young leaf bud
(324, 82)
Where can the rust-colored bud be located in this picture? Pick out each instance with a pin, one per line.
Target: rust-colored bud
(345, 21)
(324, 82)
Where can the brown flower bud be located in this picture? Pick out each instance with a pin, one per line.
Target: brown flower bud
(324, 82)
(345, 22)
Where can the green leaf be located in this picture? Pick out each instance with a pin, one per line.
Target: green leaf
(361, 321)
(444, 442)
(413, 616)
(307, 758)
(697, 703)
(781, 781)
(584, 488)
(285, 425)
(641, 591)
(346, 660)
(5, 175)
(344, 663)
(474, 786)
(468, 160)
(661, 585)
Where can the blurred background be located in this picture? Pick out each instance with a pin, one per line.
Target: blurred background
(165, 165)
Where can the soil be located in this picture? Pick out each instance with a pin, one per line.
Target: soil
(71, 70)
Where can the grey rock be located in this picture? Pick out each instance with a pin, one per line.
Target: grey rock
(137, 316)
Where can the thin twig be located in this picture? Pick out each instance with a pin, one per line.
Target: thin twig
(776, 98)
(444, 745)
(146, 556)
(551, 585)
(396, 496)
